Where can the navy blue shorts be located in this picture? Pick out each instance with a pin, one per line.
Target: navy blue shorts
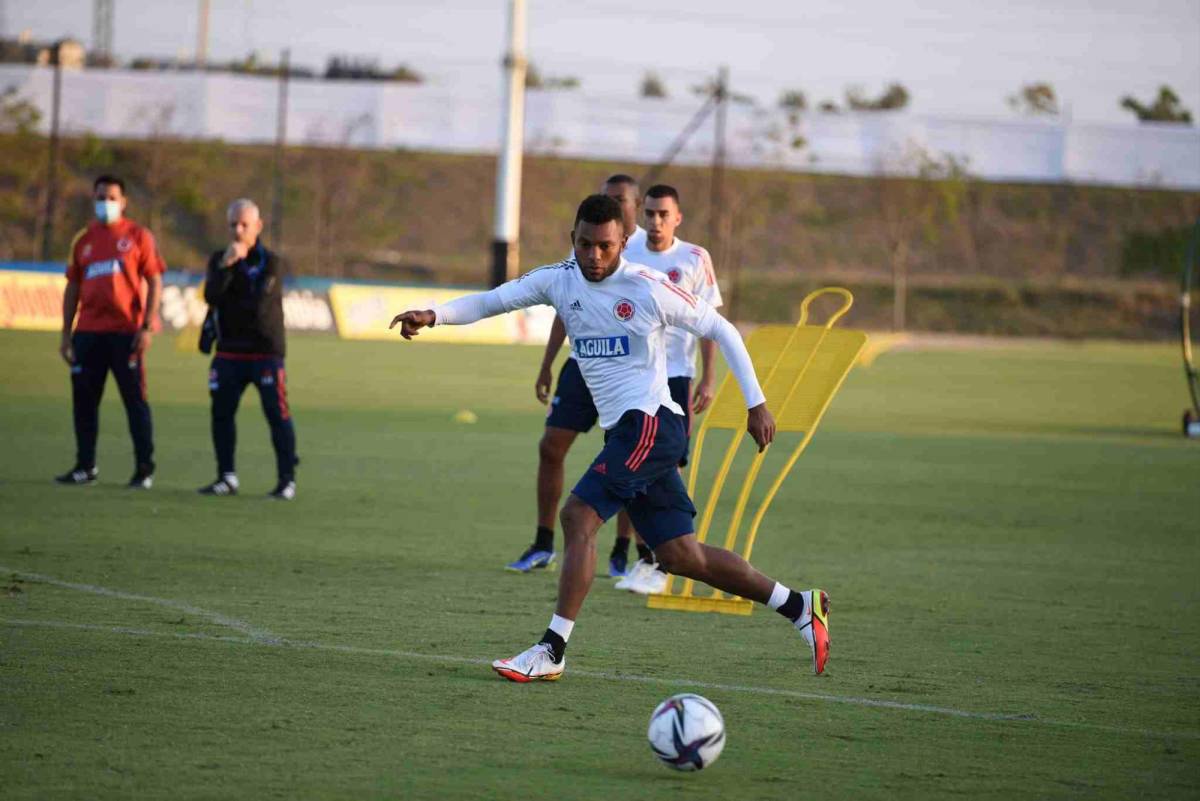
(638, 470)
(572, 407)
(681, 393)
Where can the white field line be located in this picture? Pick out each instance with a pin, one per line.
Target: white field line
(877, 703)
(255, 634)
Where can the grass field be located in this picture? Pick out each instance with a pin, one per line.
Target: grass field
(1009, 537)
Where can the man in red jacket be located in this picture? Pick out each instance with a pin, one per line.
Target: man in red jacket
(114, 282)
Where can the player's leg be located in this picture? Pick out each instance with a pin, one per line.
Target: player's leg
(88, 374)
(808, 610)
(129, 370)
(648, 576)
(618, 557)
(227, 380)
(546, 660)
(571, 413)
(272, 391)
(597, 496)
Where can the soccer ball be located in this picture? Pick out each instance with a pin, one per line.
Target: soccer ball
(687, 732)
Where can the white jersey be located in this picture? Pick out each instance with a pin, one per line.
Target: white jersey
(690, 267)
(638, 238)
(616, 328)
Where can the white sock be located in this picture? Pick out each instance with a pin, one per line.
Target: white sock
(779, 596)
(230, 479)
(562, 627)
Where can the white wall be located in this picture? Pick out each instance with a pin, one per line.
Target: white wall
(119, 103)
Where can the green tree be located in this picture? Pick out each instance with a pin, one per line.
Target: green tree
(18, 115)
(793, 100)
(535, 81)
(895, 97)
(1164, 108)
(22, 177)
(652, 86)
(1035, 99)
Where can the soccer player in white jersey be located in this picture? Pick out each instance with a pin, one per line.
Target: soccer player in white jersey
(617, 315)
(572, 413)
(689, 267)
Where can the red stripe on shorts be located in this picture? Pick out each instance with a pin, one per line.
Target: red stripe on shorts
(649, 445)
(641, 442)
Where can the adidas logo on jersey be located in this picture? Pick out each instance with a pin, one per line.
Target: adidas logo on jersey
(575, 306)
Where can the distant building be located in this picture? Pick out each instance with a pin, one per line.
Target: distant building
(24, 50)
(71, 54)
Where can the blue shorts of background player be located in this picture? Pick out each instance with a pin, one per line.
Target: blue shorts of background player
(572, 407)
(637, 470)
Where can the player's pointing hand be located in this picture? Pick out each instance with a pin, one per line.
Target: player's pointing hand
(412, 321)
(761, 425)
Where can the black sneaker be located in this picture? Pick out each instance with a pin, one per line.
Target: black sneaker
(78, 475)
(284, 491)
(143, 477)
(222, 486)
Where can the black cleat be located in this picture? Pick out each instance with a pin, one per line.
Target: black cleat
(78, 476)
(284, 491)
(222, 486)
(143, 477)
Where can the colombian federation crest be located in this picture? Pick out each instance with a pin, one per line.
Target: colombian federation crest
(674, 275)
(623, 310)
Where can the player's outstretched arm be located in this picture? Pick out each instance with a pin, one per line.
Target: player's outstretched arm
(528, 290)
(411, 322)
(760, 424)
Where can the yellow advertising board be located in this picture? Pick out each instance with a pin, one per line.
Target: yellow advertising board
(364, 312)
(31, 301)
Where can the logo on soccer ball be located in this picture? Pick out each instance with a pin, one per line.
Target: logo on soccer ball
(674, 275)
(623, 311)
(123, 245)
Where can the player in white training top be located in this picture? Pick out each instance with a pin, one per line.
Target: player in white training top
(689, 267)
(617, 315)
(572, 413)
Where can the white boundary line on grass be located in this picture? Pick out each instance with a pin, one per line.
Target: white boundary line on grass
(255, 634)
(877, 703)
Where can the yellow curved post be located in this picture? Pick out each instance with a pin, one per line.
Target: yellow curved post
(798, 401)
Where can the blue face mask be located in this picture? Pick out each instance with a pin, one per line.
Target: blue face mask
(108, 211)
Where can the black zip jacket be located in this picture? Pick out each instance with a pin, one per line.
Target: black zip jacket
(247, 302)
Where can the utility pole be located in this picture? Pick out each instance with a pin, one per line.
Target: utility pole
(280, 143)
(718, 214)
(506, 230)
(202, 35)
(102, 30)
(52, 166)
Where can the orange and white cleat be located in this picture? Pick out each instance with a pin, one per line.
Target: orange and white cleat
(813, 626)
(534, 664)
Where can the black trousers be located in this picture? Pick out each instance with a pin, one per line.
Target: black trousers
(95, 356)
(227, 380)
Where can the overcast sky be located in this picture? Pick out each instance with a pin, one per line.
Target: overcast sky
(955, 56)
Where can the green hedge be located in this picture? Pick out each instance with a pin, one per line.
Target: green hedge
(1128, 311)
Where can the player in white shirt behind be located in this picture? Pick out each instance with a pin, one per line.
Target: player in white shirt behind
(572, 413)
(689, 267)
(617, 315)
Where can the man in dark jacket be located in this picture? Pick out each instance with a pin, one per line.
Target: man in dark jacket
(244, 291)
